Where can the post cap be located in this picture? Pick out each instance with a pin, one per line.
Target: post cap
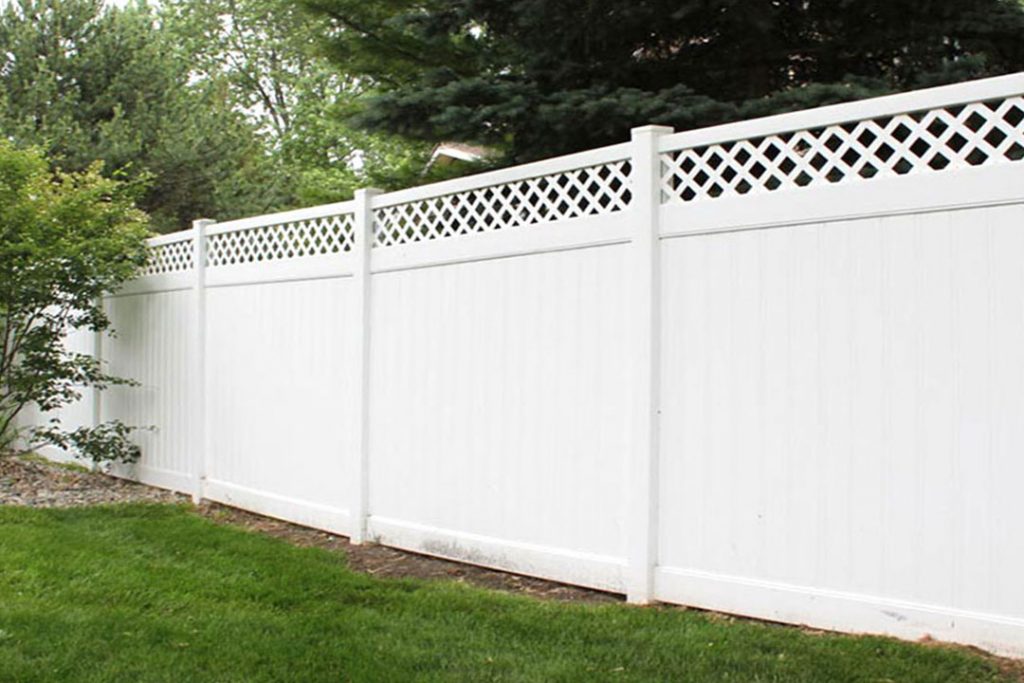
(650, 130)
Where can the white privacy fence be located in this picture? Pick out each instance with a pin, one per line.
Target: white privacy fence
(773, 368)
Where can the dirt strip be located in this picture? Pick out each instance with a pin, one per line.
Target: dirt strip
(37, 483)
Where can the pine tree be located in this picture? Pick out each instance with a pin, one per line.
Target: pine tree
(538, 78)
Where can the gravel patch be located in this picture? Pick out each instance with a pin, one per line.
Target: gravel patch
(33, 483)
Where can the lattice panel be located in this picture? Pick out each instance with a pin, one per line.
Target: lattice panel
(170, 257)
(949, 138)
(298, 239)
(589, 191)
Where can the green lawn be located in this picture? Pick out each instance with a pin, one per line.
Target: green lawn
(156, 593)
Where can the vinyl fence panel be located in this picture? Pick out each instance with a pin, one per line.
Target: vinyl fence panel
(774, 368)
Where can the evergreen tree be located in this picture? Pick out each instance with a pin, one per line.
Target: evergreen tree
(539, 78)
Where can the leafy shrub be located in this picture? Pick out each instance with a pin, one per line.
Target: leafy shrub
(66, 239)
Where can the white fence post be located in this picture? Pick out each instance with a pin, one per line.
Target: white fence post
(362, 249)
(97, 353)
(198, 384)
(642, 527)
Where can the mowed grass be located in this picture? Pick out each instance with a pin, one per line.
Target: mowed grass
(157, 593)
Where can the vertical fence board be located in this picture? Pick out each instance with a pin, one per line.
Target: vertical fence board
(281, 418)
(152, 347)
(499, 409)
(896, 391)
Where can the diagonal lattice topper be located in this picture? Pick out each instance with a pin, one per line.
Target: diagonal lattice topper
(948, 138)
(313, 237)
(590, 191)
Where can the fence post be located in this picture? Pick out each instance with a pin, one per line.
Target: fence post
(642, 520)
(97, 352)
(362, 250)
(198, 384)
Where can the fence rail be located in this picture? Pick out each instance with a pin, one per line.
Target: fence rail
(773, 367)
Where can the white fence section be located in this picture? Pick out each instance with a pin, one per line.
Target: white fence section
(81, 413)
(773, 368)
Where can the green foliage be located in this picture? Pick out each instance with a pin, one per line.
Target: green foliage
(217, 108)
(265, 51)
(65, 240)
(148, 593)
(107, 442)
(539, 78)
(85, 83)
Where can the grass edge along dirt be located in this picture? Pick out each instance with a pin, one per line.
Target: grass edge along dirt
(144, 592)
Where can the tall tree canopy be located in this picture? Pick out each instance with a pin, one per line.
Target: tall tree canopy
(85, 83)
(220, 108)
(538, 78)
(266, 51)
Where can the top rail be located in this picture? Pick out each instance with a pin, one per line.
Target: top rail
(504, 176)
(282, 217)
(171, 238)
(887, 105)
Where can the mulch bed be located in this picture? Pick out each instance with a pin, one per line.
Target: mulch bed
(36, 483)
(40, 484)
